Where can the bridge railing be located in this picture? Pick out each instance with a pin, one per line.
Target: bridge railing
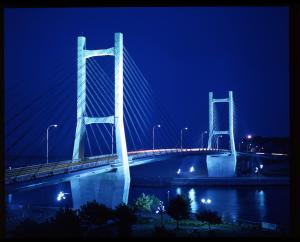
(159, 152)
(54, 168)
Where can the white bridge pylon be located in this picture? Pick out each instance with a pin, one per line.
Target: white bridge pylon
(225, 166)
(117, 118)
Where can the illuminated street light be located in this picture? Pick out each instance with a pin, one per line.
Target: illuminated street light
(205, 132)
(205, 202)
(52, 125)
(240, 145)
(181, 136)
(218, 141)
(192, 169)
(158, 125)
(249, 137)
(112, 138)
(179, 171)
(161, 210)
(261, 166)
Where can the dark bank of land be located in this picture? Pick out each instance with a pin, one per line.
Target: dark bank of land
(214, 181)
(148, 225)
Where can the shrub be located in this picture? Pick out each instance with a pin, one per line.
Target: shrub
(66, 223)
(210, 217)
(95, 213)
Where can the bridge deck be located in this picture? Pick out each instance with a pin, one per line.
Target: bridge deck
(55, 168)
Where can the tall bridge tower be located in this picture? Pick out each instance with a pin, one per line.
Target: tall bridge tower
(221, 165)
(117, 119)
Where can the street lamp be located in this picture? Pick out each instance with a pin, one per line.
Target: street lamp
(205, 202)
(52, 125)
(240, 145)
(205, 132)
(112, 139)
(249, 137)
(181, 136)
(160, 210)
(158, 125)
(218, 141)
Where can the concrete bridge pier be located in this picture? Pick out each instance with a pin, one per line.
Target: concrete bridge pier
(110, 189)
(221, 165)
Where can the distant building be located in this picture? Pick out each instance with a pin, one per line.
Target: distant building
(266, 144)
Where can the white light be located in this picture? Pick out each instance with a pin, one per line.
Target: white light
(203, 200)
(178, 172)
(55, 125)
(192, 169)
(208, 201)
(158, 125)
(186, 128)
(249, 136)
(60, 196)
(261, 166)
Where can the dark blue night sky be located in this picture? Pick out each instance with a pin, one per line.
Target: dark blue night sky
(182, 52)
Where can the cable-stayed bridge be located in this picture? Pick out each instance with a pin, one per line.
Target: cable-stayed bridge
(107, 109)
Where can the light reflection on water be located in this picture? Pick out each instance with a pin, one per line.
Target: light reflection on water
(194, 202)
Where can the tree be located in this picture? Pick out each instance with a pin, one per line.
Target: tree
(146, 203)
(210, 217)
(66, 223)
(143, 203)
(125, 217)
(179, 208)
(95, 213)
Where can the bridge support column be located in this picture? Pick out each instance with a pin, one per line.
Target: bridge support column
(109, 189)
(121, 146)
(221, 165)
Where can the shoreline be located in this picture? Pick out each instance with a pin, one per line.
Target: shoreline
(216, 181)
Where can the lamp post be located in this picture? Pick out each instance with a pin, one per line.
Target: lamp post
(218, 141)
(205, 202)
(112, 139)
(158, 125)
(205, 132)
(181, 136)
(52, 125)
(249, 137)
(240, 145)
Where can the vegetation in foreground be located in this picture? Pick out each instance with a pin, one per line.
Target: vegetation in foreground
(146, 218)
